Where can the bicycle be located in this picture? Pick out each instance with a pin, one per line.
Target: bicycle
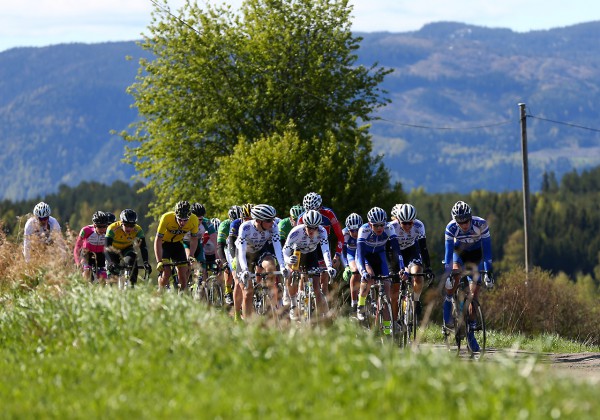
(125, 278)
(174, 275)
(307, 300)
(408, 320)
(209, 290)
(377, 302)
(262, 299)
(471, 320)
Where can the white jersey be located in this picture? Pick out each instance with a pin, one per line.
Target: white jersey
(299, 240)
(407, 239)
(33, 229)
(250, 239)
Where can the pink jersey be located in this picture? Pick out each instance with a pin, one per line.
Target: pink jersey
(90, 240)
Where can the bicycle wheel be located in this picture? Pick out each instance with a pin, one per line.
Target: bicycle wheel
(380, 329)
(215, 292)
(407, 322)
(477, 327)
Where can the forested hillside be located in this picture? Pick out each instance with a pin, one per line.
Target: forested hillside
(452, 124)
(564, 231)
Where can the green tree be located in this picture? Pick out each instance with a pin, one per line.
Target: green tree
(218, 77)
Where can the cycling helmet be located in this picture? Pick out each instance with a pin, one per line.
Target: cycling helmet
(296, 211)
(406, 213)
(395, 210)
(128, 216)
(183, 210)
(41, 209)
(354, 221)
(312, 218)
(199, 210)
(312, 201)
(263, 212)
(235, 212)
(100, 218)
(111, 217)
(215, 222)
(377, 215)
(247, 211)
(461, 211)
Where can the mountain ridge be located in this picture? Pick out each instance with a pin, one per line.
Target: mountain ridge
(453, 124)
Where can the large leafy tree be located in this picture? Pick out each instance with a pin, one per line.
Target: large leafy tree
(220, 78)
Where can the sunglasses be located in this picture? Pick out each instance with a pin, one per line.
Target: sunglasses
(43, 219)
(101, 226)
(407, 223)
(353, 230)
(463, 221)
(311, 228)
(129, 225)
(182, 220)
(378, 225)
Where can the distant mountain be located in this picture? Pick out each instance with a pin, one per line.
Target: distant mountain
(453, 124)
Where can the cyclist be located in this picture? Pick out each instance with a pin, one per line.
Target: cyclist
(371, 260)
(223, 254)
(256, 244)
(41, 230)
(89, 247)
(353, 223)
(111, 217)
(307, 238)
(204, 226)
(245, 215)
(285, 225)
(313, 201)
(120, 239)
(468, 244)
(168, 244)
(413, 247)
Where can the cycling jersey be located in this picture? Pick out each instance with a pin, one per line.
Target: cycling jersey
(329, 222)
(119, 239)
(222, 249)
(34, 229)
(406, 239)
(370, 243)
(170, 230)
(284, 225)
(477, 236)
(90, 240)
(252, 240)
(299, 240)
(349, 247)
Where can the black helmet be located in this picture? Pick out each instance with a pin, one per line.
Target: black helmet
(128, 216)
(110, 217)
(199, 210)
(183, 210)
(100, 218)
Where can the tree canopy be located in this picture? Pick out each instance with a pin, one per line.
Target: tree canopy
(221, 81)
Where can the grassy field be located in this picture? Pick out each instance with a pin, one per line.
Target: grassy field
(76, 351)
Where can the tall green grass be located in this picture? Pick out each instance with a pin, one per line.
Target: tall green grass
(80, 351)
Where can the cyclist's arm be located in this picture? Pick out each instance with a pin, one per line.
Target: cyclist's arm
(345, 254)
(337, 229)
(193, 245)
(360, 257)
(107, 246)
(396, 247)
(158, 241)
(486, 244)
(422, 243)
(78, 246)
(144, 249)
(241, 253)
(326, 253)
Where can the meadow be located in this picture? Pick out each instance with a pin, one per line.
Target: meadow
(72, 350)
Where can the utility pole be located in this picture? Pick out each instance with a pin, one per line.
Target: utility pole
(526, 211)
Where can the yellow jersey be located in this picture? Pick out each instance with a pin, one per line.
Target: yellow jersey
(121, 239)
(170, 231)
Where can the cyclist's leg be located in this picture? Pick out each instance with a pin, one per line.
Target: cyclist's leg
(130, 260)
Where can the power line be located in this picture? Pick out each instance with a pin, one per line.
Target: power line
(473, 127)
(564, 123)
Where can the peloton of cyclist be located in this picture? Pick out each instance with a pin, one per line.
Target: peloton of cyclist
(168, 244)
(256, 244)
(41, 230)
(307, 237)
(120, 239)
(353, 222)
(89, 247)
(468, 245)
(223, 255)
(371, 259)
(285, 225)
(413, 247)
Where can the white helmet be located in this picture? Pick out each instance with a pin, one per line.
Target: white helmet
(461, 212)
(41, 209)
(406, 213)
(312, 218)
(377, 215)
(312, 201)
(263, 212)
(354, 221)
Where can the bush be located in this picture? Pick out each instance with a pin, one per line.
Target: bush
(542, 304)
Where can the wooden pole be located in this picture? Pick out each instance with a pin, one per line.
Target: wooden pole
(526, 211)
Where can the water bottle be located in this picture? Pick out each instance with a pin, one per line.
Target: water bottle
(297, 253)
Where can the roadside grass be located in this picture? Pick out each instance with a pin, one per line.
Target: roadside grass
(79, 351)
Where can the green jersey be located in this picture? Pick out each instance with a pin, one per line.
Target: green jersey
(285, 225)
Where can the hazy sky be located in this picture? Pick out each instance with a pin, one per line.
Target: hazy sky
(47, 22)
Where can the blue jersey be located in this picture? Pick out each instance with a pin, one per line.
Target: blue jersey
(370, 243)
(477, 236)
(349, 248)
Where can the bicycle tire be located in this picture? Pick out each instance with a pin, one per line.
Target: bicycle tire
(380, 328)
(406, 319)
(215, 292)
(479, 330)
